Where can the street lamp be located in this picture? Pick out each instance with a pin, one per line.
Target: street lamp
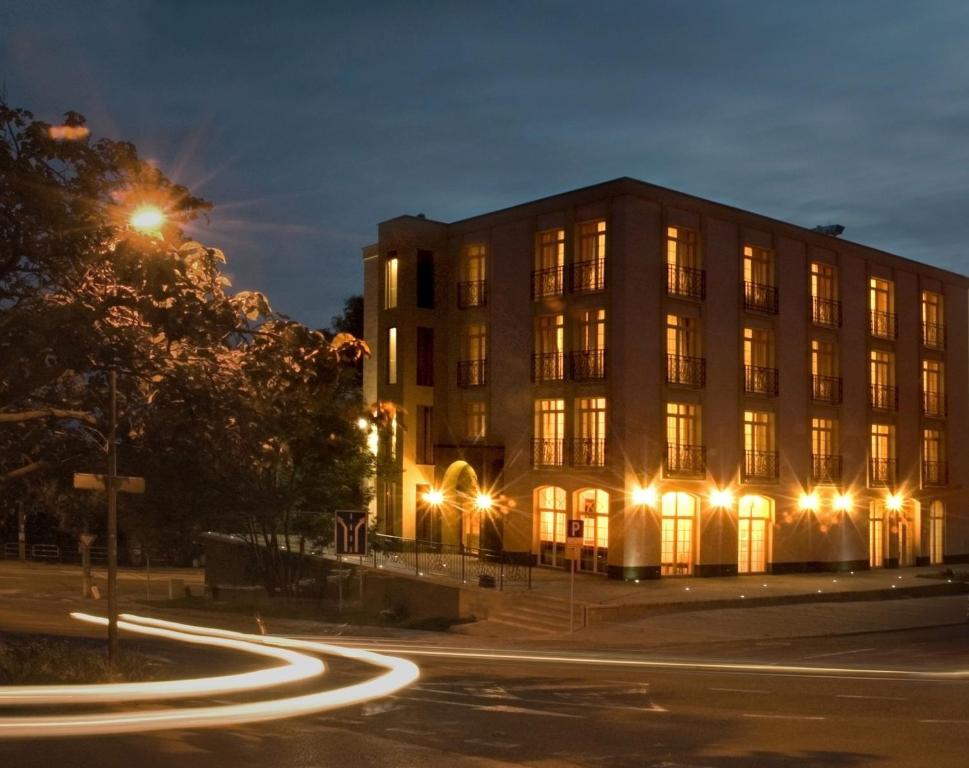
(148, 219)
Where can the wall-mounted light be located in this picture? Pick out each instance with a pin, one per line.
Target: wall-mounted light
(645, 497)
(721, 498)
(483, 501)
(808, 502)
(894, 502)
(434, 497)
(842, 502)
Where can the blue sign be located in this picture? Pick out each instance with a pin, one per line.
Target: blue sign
(351, 532)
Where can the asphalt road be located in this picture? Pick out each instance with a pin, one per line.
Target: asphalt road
(567, 708)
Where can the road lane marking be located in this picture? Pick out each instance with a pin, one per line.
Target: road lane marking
(838, 653)
(947, 722)
(737, 690)
(525, 711)
(860, 696)
(488, 743)
(786, 717)
(486, 707)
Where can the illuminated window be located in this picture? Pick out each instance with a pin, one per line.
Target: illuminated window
(683, 362)
(753, 533)
(758, 265)
(881, 372)
(473, 366)
(936, 532)
(475, 420)
(825, 456)
(824, 283)
(933, 320)
(593, 509)
(825, 382)
(881, 307)
(549, 356)
(760, 376)
(882, 454)
(472, 290)
(682, 424)
(934, 469)
(547, 277)
(676, 538)
(549, 433)
(551, 516)
(390, 282)
(760, 458)
(589, 446)
(933, 388)
(683, 274)
(588, 361)
(876, 535)
(391, 355)
(589, 268)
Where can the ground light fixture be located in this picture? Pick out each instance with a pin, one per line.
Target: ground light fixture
(644, 497)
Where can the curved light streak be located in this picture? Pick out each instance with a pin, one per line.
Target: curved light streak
(399, 673)
(298, 666)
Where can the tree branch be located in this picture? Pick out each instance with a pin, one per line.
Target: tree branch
(18, 417)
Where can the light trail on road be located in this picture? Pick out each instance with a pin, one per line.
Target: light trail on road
(399, 673)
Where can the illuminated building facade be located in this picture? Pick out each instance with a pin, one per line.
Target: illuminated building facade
(713, 392)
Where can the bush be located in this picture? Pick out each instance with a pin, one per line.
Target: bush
(43, 660)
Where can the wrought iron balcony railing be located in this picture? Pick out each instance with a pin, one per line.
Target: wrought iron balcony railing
(935, 473)
(933, 335)
(933, 404)
(587, 364)
(760, 381)
(472, 373)
(472, 293)
(825, 468)
(686, 281)
(684, 460)
(548, 366)
(760, 297)
(882, 324)
(588, 276)
(760, 465)
(883, 397)
(548, 452)
(826, 312)
(686, 371)
(548, 282)
(588, 452)
(825, 389)
(881, 471)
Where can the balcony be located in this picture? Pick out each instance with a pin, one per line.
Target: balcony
(825, 389)
(548, 366)
(825, 468)
(472, 373)
(882, 324)
(760, 381)
(686, 371)
(933, 335)
(935, 473)
(547, 282)
(588, 276)
(588, 452)
(826, 312)
(586, 365)
(686, 282)
(881, 472)
(685, 460)
(760, 465)
(548, 452)
(933, 404)
(760, 297)
(472, 293)
(883, 397)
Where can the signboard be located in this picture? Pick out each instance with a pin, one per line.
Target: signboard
(87, 482)
(351, 532)
(574, 538)
(87, 539)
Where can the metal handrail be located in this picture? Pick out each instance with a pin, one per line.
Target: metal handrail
(587, 364)
(686, 281)
(760, 297)
(548, 282)
(883, 397)
(548, 452)
(472, 293)
(685, 459)
(825, 389)
(472, 373)
(826, 312)
(826, 467)
(548, 366)
(588, 452)
(686, 370)
(759, 380)
(882, 324)
(935, 473)
(588, 275)
(760, 465)
(881, 471)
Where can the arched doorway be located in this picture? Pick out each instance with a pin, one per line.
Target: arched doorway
(679, 525)
(462, 522)
(592, 507)
(754, 515)
(936, 532)
(550, 503)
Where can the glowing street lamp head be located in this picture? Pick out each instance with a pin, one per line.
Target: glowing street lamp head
(147, 218)
(808, 502)
(644, 497)
(894, 502)
(842, 502)
(721, 498)
(434, 497)
(363, 424)
(483, 501)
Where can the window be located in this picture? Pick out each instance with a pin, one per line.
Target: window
(825, 458)
(472, 288)
(548, 358)
(760, 377)
(549, 433)
(551, 517)
(593, 509)
(933, 388)
(683, 274)
(475, 420)
(589, 269)
(589, 445)
(473, 366)
(676, 548)
(589, 359)
(391, 355)
(683, 362)
(825, 382)
(425, 280)
(390, 282)
(760, 458)
(425, 434)
(425, 357)
(883, 394)
(684, 453)
(549, 263)
(934, 468)
(753, 533)
(881, 308)
(933, 322)
(882, 448)
(825, 307)
(936, 533)
(760, 294)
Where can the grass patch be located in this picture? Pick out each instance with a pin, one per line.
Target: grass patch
(46, 660)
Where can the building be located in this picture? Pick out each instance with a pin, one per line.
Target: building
(711, 391)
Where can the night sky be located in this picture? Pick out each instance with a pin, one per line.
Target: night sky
(307, 123)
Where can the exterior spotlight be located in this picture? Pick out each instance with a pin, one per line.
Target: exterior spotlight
(483, 501)
(721, 498)
(434, 497)
(808, 502)
(842, 502)
(894, 502)
(644, 497)
(362, 424)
